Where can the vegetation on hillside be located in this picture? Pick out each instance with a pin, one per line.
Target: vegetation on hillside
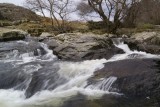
(11, 12)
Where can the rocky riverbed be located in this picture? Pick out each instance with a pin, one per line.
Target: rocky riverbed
(131, 76)
(82, 46)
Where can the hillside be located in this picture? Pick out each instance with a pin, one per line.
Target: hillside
(12, 12)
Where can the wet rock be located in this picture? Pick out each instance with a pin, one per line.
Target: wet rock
(12, 78)
(109, 100)
(154, 49)
(46, 78)
(77, 46)
(136, 78)
(132, 43)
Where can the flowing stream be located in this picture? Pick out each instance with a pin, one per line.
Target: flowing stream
(31, 76)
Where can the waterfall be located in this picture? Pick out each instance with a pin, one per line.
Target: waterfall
(129, 54)
(118, 42)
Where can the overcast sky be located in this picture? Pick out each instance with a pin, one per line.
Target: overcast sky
(17, 2)
(21, 3)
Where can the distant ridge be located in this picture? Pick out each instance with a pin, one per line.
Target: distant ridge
(12, 12)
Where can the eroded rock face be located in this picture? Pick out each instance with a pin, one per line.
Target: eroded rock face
(77, 46)
(136, 78)
(10, 34)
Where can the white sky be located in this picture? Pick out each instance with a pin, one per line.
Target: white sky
(17, 2)
(20, 2)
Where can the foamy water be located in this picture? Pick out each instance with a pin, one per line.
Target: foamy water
(73, 77)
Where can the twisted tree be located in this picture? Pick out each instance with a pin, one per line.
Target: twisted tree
(110, 10)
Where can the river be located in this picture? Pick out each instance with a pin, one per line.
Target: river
(31, 76)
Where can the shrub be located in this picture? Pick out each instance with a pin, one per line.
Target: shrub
(96, 25)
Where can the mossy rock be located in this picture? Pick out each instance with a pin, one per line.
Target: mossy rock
(12, 35)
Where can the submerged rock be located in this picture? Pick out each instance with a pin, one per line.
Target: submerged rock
(77, 46)
(46, 78)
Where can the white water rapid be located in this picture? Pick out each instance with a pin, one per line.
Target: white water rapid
(56, 81)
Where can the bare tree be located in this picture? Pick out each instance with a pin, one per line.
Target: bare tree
(62, 9)
(132, 13)
(59, 10)
(35, 5)
(111, 10)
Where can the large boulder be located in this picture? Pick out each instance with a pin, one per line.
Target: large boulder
(144, 36)
(10, 34)
(150, 38)
(78, 46)
(145, 41)
(137, 79)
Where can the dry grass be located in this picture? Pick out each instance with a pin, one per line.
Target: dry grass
(145, 28)
(76, 26)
